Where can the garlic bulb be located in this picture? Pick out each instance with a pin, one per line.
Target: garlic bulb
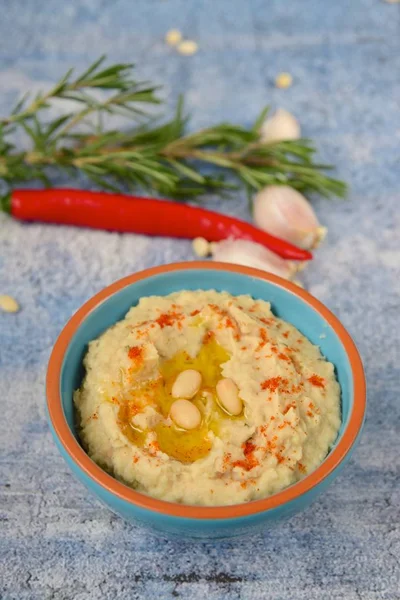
(250, 254)
(280, 127)
(285, 213)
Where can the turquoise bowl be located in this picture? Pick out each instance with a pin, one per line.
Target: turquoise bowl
(289, 302)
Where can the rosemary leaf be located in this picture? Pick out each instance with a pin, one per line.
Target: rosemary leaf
(151, 155)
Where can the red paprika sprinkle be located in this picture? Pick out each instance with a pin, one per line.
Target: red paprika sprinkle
(267, 321)
(155, 446)
(288, 407)
(136, 353)
(249, 447)
(273, 383)
(208, 337)
(250, 460)
(264, 338)
(169, 319)
(280, 458)
(317, 381)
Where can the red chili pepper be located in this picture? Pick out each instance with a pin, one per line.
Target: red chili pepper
(147, 216)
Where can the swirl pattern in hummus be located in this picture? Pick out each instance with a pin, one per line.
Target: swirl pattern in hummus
(291, 400)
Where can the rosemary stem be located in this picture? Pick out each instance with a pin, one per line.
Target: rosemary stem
(149, 156)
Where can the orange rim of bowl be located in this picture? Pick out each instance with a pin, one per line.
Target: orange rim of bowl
(79, 456)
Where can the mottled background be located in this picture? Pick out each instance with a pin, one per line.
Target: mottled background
(58, 543)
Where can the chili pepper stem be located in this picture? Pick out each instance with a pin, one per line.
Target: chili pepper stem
(5, 204)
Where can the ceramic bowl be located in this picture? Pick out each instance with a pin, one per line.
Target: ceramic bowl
(289, 302)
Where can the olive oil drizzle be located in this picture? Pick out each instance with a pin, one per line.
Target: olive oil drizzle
(185, 446)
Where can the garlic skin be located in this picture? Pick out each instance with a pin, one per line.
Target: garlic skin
(250, 254)
(284, 212)
(282, 126)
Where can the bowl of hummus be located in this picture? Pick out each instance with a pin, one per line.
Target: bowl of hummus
(205, 399)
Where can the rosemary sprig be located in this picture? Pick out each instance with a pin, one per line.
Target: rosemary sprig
(149, 156)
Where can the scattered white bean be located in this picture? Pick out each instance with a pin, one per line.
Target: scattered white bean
(201, 247)
(188, 48)
(228, 396)
(283, 81)
(185, 414)
(187, 384)
(173, 37)
(8, 304)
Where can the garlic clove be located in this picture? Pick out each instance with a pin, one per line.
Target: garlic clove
(285, 213)
(250, 254)
(280, 127)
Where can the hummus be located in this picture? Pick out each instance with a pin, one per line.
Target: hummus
(287, 411)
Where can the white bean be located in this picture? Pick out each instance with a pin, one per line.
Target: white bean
(185, 414)
(8, 304)
(228, 396)
(173, 37)
(201, 247)
(188, 47)
(187, 384)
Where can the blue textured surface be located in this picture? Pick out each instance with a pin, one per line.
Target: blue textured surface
(58, 543)
(285, 304)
